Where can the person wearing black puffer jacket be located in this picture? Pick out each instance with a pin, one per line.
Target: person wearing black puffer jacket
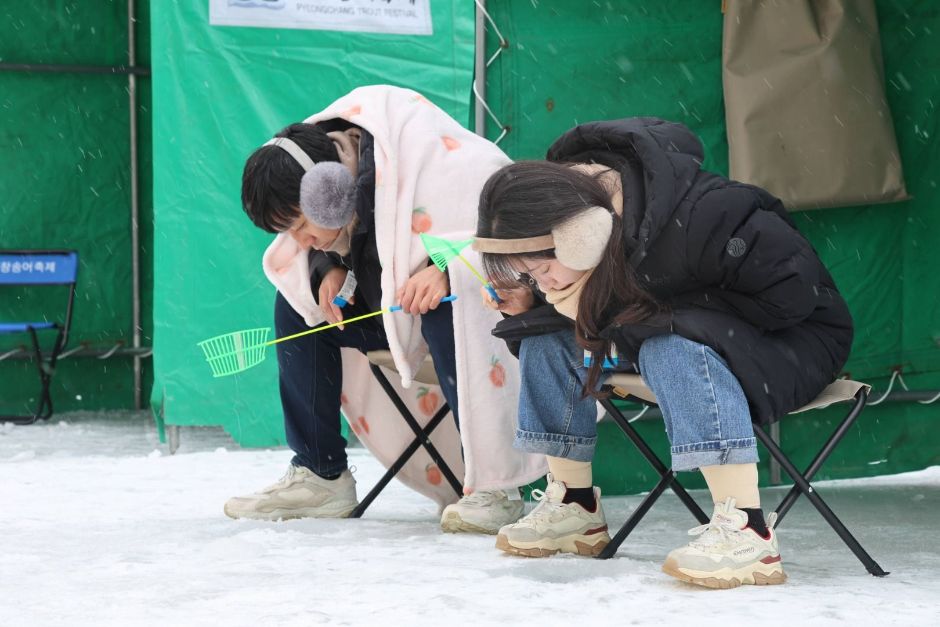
(703, 285)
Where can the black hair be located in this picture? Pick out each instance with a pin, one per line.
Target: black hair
(271, 178)
(528, 199)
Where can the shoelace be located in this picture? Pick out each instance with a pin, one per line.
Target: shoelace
(283, 481)
(291, 471)
(480, 498)
(713, 533)
(545, 509)
(723, 532)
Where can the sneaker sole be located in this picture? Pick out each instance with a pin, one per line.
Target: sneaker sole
(578, 544)
(752, 574)
(453, 523)
(291, 514)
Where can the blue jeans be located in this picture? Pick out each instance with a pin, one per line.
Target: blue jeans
(310, 372)
(706, 414)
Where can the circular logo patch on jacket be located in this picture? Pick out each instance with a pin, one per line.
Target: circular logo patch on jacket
(736, 247)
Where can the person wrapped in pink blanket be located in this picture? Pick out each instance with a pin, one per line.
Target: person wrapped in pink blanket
(348, 192)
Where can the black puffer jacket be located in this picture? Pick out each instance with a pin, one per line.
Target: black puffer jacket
(726, 258)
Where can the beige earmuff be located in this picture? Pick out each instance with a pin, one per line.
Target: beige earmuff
(579, 242)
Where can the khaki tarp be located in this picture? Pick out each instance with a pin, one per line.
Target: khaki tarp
(804, 102)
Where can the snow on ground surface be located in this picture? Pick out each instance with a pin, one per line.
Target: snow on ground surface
(100, 526)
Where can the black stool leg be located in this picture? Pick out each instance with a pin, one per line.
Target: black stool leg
(870, 564)
(398, 464)
(645, 505)
(418, 431)
(667, 479)
(823, 454)
(654, 460)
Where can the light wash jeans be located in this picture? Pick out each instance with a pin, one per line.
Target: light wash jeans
(706, 414)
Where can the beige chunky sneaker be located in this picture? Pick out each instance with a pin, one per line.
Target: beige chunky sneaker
(728, 553)
(554, 527)
(483, 512)
(300, 493)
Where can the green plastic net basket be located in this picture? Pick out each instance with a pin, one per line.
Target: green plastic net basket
(235, 352)
(441, 250)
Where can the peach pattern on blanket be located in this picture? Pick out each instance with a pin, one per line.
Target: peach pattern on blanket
(433, 474)
(497, 373)
(428, 401)
(420, 220)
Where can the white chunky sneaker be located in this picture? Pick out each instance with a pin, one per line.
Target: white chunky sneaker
(300, 493)
(483, 511)
(554, 526)
(728, 553)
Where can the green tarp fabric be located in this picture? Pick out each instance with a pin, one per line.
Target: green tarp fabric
(65, 183)
(219, 93)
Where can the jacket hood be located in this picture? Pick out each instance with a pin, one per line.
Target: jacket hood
(658, 162)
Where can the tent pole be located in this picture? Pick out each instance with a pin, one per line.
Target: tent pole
(479, 70)
(135, 206)
(59, 68)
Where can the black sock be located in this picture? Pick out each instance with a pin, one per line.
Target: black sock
(755, 520)
(328, 477)
(582, 496)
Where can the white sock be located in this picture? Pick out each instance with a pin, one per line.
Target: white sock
(735, 480)
(572, 473)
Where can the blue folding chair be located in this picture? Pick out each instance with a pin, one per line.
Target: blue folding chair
(31, 268)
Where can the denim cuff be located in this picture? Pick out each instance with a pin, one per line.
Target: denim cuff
(319, 469)
(693, 456)
(567, 446)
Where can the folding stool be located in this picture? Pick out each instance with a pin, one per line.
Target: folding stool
(427, 375)
(632, 385)
(35, 268)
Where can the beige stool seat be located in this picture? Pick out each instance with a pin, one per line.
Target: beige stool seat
(425, 373)
(625, 385)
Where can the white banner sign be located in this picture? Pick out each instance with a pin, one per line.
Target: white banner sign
(400, 17)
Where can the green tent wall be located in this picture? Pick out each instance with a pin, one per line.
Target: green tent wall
(219, 93)
(65, 183)
(218, 99)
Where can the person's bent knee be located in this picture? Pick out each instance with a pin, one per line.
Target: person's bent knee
(663, 352)
(549, 350)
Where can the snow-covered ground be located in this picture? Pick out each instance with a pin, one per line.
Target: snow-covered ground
(99, 526)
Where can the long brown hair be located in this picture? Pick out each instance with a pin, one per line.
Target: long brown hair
(528, 199)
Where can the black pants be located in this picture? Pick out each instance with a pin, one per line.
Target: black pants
(311, 377)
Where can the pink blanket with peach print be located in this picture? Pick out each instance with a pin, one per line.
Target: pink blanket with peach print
(429, 173)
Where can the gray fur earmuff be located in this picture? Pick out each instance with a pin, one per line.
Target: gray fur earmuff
(328, 195)
(327, 189)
